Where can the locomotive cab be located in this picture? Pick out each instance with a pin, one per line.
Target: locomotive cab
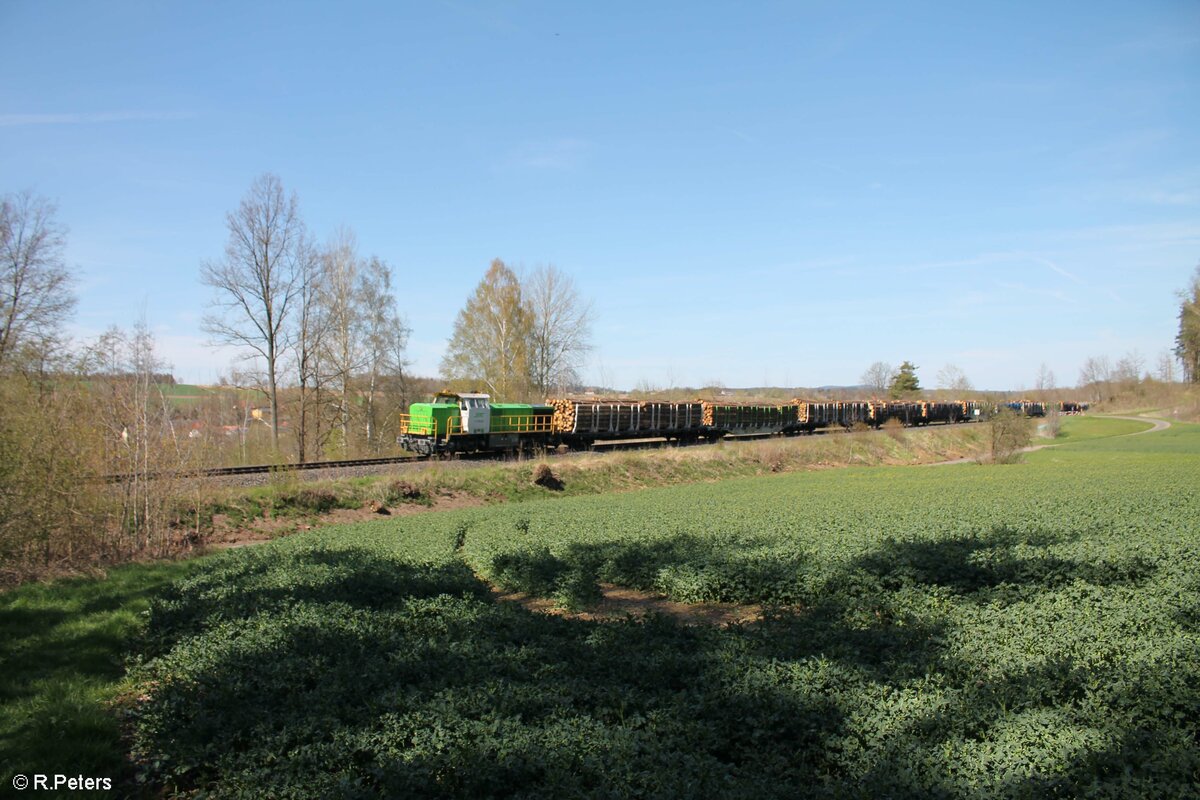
(476, 413)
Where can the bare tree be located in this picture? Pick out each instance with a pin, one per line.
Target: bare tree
(561, 329)
(490, 342)
(245, 383)
(308, 339)
(145, 456)
(1095, 374)
(1128, 370)
(384, 336)
(878, 378)
(1045, 379)
(256, 281)
(35, 286)
(1166, 367)
(953, 379)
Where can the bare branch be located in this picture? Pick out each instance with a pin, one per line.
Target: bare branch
(35, 286)
(257, 281)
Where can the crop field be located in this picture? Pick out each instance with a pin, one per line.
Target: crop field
(963, 631)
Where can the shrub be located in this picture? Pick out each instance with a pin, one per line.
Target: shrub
(309, 499)
(1052, 425)
(1009, 433)
(544, 476)
(403, 492)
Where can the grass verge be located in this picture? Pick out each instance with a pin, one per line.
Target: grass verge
(62, 660)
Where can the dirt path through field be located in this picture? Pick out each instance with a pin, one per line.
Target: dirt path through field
(229, 535)
(620, 602)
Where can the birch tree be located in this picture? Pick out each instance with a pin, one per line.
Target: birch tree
(1045, 379)
(490, 341)
(344, 351)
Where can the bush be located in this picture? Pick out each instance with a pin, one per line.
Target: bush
(403, 492)
(1053, 424)
(1009, 433)
(544, 476)
(318, 500)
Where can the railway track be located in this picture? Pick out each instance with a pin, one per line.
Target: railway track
(368, 463)
(261, 469)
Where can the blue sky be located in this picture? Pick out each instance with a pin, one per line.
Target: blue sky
(750, 193)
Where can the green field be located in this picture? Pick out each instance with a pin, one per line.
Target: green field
(960, 631)
(62, 661)
(1078, 429)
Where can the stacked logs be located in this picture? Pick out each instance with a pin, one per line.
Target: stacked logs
(746, 417)
(587, 415)
(667, 416)
(817, 414)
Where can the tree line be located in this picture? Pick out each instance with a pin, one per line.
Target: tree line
(320, 321)
(96, 452)
(94, 455)
(97, 449)
(92, 464)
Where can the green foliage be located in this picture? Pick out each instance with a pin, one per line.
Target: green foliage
(905, 383)
(1028, 631)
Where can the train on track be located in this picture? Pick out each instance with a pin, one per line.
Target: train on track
(467, 423)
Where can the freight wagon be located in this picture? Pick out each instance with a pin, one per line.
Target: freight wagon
(464, 423)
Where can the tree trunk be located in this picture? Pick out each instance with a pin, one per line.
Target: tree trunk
(274, 402)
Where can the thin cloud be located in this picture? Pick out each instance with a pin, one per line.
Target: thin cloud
(1053, 294)
(1045, 262)
(1073, 277)
(554, 154)
(983, 259)
(17, 120)
(745, 137)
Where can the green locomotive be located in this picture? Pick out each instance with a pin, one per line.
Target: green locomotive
(464, 423)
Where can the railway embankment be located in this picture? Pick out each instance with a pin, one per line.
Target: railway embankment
(292, 502)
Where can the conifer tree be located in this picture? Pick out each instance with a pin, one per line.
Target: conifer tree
(905, 384)
(1187, 341)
